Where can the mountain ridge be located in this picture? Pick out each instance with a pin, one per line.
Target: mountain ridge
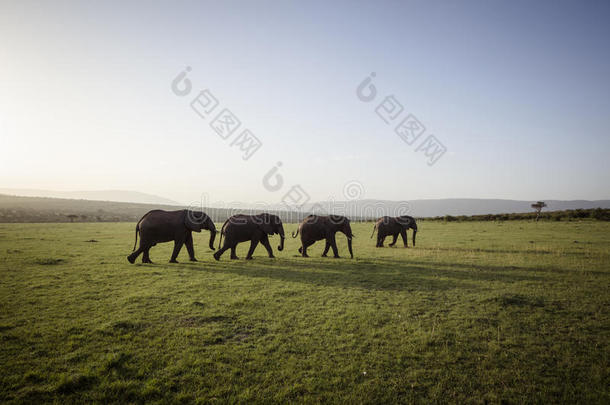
(126, 196)
(444, 206)
(359, 208)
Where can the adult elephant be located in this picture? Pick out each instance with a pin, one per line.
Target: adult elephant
(255, 228)
(159, 226)
(394, 226)
(317, 227)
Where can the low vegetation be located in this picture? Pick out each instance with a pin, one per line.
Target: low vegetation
(478, 312)
(599, 214)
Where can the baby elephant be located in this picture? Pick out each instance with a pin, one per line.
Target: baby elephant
(394, 226)
(255, 228)
(159, 226)
(317, 227)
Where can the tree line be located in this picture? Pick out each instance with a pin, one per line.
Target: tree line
(599, 214)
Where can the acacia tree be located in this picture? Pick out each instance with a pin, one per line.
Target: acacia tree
(538, 206)
(72, 217)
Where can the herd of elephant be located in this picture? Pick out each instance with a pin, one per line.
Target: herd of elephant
(159, 226)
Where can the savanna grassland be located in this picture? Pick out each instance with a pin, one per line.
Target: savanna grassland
(514, 312)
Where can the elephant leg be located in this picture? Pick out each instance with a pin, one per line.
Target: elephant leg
(253, 244)
(395, 238)
(381, 240)
(146, 256)
(326, 249)
(306, 244)
(403, 235)
(220, 251)
(177, 246)
(189, 247)
(234, 252)
(133, 256)
(333, 244)
(267, 245)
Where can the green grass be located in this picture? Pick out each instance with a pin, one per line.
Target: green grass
(477, 312)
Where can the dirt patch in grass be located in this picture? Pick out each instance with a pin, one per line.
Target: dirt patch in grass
(195, 321)
(49, 261)
(519, 300)
(127, 325)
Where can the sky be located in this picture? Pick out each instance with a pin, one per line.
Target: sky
(516, 97)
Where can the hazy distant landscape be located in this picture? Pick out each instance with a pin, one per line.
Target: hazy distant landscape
(44, 209)
(95, 195)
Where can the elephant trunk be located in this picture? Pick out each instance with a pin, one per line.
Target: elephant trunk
(281, 246)
(414, 232)
(349, 247)
(282, 236)
(212, 238)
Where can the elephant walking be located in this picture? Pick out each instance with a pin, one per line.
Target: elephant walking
(255, 228)
(159, 226)
(394, 226)
(316, 227)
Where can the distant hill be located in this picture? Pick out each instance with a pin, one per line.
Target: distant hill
(97, 195)
(16, 209)
(448, 206)
(44, 209)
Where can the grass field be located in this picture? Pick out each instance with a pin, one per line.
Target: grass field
(501, 312)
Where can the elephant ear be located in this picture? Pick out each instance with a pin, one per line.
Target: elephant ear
(193, 220)
(404, 221)
(336, 219)
(266, 227)
(326, 224)
(264, 223)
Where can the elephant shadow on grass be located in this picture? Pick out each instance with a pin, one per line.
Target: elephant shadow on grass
(378, 274)
(541, 251)
(476, 272)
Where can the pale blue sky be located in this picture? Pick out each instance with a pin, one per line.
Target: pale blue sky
(518, 92)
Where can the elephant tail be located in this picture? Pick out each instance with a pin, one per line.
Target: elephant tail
(138, 230)
(294, 235)
(222, 231)
(374, 228)
(136, 242)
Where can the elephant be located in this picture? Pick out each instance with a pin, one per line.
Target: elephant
(255, 228)
(159, 226)
(317, 227)
(386, 226)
